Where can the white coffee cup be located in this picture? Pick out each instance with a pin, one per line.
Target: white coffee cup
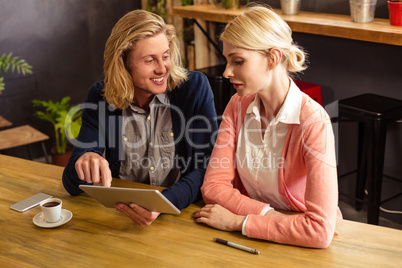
(51, 209)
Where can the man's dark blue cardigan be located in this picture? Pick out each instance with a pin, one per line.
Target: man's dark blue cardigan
(194, 127)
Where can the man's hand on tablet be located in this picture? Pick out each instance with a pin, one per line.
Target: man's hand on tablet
(139, 215)
(93, 168)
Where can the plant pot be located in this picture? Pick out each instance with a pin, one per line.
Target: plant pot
(395, 13)
(60, 159)
(362, 10)
(290, 7)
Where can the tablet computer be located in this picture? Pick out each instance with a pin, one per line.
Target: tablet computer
(150, 199)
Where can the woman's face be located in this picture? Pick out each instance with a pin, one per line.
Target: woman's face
(149, 65)
(247, 70)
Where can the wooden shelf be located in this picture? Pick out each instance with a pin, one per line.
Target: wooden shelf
(378, 31)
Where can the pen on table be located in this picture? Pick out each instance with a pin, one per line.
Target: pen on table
(235, 245)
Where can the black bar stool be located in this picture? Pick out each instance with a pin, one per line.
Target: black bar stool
(373, 112)
(221, 86)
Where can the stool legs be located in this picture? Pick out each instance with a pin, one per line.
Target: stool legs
(45, 152)
(376, 134)
(361, 166)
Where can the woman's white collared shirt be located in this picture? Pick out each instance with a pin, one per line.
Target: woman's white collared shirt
(258, 157)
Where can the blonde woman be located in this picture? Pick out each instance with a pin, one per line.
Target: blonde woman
(149, 121)
(274, 153)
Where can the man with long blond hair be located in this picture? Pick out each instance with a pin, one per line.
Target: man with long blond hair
(149, 121)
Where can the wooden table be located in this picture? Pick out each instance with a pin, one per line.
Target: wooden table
(22, 135)
(19, 136)
(101, 237)
(4, 122)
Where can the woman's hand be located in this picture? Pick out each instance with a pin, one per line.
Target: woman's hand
(139, 215)
(218, 217)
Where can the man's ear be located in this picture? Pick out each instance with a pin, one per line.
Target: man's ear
(275, 57)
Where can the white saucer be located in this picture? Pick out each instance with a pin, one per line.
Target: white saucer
(39, 219)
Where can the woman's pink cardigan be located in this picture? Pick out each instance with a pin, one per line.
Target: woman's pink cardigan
(307, 182)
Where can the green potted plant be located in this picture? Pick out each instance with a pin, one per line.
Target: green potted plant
(157, 7)
(8, 61)
(395, 12)
(66, 121)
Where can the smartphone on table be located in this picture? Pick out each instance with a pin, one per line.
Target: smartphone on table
(29, 202)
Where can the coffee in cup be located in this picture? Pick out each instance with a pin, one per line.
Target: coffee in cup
(51, 204)
(51, 209)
